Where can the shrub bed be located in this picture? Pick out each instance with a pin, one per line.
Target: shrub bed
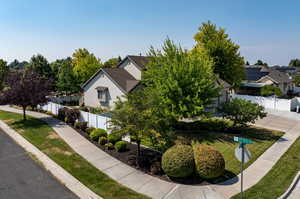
(178, 161)
(121, 146)
(209, 162)
(114, 138)
(81, 125)
(102, 140)
(97, 133)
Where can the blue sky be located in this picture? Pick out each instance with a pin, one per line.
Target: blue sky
(267, 30)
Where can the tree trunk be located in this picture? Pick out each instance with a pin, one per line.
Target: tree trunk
(138, 153)
(24, 112)
(139, 148)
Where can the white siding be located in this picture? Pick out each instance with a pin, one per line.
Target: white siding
(132, 69)
(91, 94)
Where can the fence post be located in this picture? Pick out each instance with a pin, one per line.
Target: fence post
(96, 121)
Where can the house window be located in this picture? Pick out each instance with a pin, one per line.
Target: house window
(102, 93)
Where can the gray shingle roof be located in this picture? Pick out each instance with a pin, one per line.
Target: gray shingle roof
(140, 61)
(254, 73)
(126, 81)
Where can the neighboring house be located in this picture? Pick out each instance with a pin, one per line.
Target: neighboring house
(107, 84)
(259, 76)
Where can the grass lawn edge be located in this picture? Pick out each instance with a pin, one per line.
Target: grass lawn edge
(37, 132)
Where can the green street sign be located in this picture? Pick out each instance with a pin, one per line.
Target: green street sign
(242, 140)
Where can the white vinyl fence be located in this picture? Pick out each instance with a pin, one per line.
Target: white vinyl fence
(93, 120)
(269, 102)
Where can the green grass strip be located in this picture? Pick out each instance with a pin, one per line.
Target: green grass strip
(44, 138)
(279, 178)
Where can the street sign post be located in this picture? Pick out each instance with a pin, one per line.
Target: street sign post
(243, 155)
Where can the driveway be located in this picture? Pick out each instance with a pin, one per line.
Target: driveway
(23, 178)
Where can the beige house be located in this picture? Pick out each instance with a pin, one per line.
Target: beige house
(260, 76)
(106, 85)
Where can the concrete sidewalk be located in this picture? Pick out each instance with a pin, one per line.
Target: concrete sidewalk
(265, 162)
(159, 189)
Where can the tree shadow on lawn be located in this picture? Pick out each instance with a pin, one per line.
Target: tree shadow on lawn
(29, 123)
(196, 180)
(254, 133)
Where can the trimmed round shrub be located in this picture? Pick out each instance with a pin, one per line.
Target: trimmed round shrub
(109, 146)
(121, 146)
(62, 113)
(102, 140)
(89, 130)
(81, 125)
(97, 133)
(71, 116)
(114, 138)
(208, 161)
(178, 161)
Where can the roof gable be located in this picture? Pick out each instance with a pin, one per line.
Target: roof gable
(139, 61)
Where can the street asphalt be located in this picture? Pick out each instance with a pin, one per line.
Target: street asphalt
(23, 178)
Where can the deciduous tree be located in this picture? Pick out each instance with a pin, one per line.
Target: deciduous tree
(184, 81)
(242, 112)
(25, 89)
(85, 64)
(66, 79)
(269, 90)
(261, 63)
(295, 62)
(225, 53)
(40, 64)
(3, 72)
(112, 63)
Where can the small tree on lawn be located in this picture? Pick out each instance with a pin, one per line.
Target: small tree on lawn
(136, 117)
(242, 112)
(269, 90)
(25, 89)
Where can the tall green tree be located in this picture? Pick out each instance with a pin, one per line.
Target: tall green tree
(16, 65)
(40, 64)
(184, 81)
(228, 62)
(261, 63)
(295, 62)
(112, 62)
(66, 79)
(3, 72)
(85, 64)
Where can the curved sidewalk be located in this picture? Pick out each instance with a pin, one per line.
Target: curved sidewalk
(159, 189)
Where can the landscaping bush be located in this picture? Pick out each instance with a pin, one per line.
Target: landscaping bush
(102, 140)
(81, 125)
(114, 138)
(62, 113)
(208, 161)
(89, 130)
(97, 133)
(178, 161)
(242, 112)
(72, 115)
(120, 146)
(269, 90)
(109, 146)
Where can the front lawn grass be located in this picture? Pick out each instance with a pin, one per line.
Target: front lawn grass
(279, 178)
(223, 142)
(43, 137)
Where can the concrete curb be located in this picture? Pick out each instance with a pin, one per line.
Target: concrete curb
(292, 187)
(63, 176)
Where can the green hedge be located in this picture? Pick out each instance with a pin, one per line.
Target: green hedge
(208, 161)
(178, 161)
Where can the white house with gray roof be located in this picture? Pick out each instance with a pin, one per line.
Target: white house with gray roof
(107, 84)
